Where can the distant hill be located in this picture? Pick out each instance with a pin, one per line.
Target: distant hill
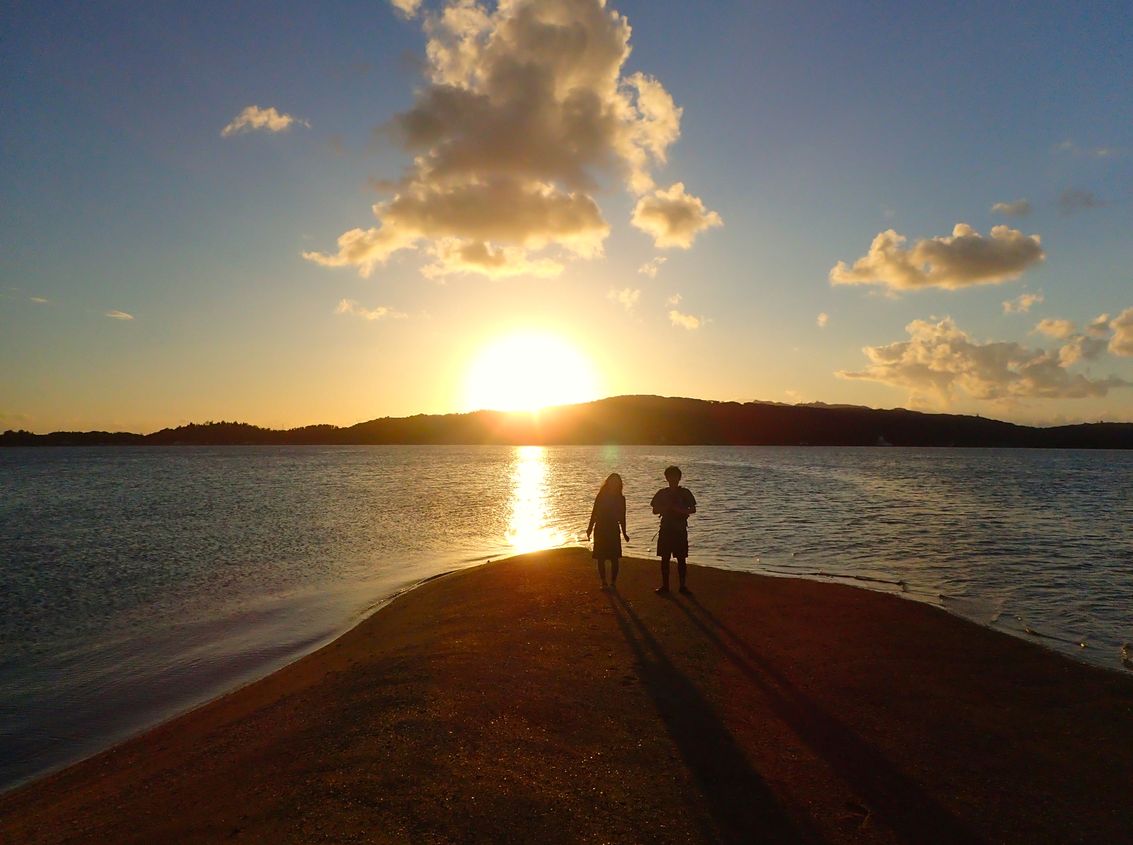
(635, 420)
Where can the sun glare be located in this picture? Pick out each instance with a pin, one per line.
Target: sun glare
(528, 371)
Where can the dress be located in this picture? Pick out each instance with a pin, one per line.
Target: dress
(672, 538)
(609, 518)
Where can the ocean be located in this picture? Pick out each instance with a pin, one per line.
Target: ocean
(137, 582)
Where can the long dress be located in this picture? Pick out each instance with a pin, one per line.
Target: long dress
(609, 518)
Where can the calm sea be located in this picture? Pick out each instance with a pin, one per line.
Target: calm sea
(137, 582)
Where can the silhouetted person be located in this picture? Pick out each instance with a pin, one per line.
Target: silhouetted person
(675, 504)
(607, 520)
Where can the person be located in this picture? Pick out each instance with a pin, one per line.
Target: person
(675, 504)
(606, 519)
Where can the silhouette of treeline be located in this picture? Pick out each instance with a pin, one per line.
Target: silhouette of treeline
(652, 420)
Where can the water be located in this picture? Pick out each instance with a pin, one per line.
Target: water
(137, 582)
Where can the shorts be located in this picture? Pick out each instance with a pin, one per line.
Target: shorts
(672, 540)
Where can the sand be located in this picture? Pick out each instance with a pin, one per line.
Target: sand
(516, 702)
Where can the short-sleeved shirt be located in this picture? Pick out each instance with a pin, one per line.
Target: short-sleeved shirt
(668, 496)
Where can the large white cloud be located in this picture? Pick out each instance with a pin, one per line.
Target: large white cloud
(525, 115)
(939, 359)
(964, 259)
(253, 118)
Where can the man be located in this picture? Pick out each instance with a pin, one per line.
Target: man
(675, 504)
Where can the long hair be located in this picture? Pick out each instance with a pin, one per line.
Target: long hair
(612, 486)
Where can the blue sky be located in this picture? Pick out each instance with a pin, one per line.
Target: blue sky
(806, 129)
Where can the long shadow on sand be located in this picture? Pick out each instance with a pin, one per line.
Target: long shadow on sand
(896, 799)
(742, 806)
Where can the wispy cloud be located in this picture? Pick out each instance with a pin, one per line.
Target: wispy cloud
(651, 267)
(1022, 303)
(965, 259)
(408, 8)
(253, 119)
(118, 315)
(1072, 148)
(350, 306)
(686, 321)
(39, 300)
(1073, 200)
(626, 297)
(1016, 208)
(526, 113)
(822, 319)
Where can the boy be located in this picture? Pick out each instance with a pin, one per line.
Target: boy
(675, 504)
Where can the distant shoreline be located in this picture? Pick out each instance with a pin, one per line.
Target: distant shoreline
(517, 701)
(632, 420)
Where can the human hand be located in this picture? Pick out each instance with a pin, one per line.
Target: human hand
(587, 533)
(626, 536)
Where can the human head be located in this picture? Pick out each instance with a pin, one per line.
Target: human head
(673, 475)
(612, 485)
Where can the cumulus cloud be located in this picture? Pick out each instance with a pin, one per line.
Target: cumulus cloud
(1080, 348)
(408, 8)
(965, 259)
(672, 217)
(526, 113)
(1022, 303)
(626, 297)
(350, 306)
(939, 359)
(1073, 200)
(1122, 341)
(118, 315)
(686, 321)
(650, 268)
(1055, 328)
(1099, 326)
(254, 118)
(1017, 208)
(822, 319)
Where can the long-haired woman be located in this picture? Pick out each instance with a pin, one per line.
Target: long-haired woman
(607, 520)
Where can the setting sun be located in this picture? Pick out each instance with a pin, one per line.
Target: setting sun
(527, 371)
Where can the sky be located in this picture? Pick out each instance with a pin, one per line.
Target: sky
(295, 213)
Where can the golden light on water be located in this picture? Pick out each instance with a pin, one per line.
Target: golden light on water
(527, 371)
(528, 526)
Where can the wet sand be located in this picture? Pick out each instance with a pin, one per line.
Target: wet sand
(517, 702)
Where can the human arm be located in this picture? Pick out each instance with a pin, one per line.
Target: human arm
(593, 518)
(622, 519)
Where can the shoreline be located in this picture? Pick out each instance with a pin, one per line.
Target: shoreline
(514, 698)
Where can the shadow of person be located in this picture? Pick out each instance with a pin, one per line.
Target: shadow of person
(742, 806)
(895, 798)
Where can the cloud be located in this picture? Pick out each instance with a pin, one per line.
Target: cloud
(1017, 208)
(1022, 303)
(1055, 328)
(524, 116)
(939, 359)
(1122, 341)
(686, 321)
(254, 118)
(1080, 348)
(675, 299)
(651, 267)
(626, 297)
(1073, 200)
(673, 218)
(962, 260)
(408, 8)
(1094, 152)
(350, 306)
(39, 300)
(118, 315)
(1099, 326)
(822, 319)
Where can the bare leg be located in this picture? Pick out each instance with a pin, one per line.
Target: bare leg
(602, 571)
(682, 571)
(664, 574)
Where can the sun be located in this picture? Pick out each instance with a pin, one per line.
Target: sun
(527, 371)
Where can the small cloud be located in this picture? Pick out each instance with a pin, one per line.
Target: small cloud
(1022, 303)
(118, 315)
(350, 306)
(1099, 326)
(793, 395)
(407, 8)
(964, 259)
(672, 217)
(39, 300)
(253, 118)
(1018, 208)
(650, 268)
(686, 321)
(626, 297)
(1074, 200)
(1093, 152)
(675, 299)
(1122, 341)
(822, 319)
(1054, 328)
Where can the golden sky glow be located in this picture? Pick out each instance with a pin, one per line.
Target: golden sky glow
(525, 371)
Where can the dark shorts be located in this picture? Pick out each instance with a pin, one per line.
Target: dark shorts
(672, 541)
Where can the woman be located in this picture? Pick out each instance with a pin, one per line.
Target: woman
(607, 517)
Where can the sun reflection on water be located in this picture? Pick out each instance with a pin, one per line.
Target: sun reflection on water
(529, 527)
